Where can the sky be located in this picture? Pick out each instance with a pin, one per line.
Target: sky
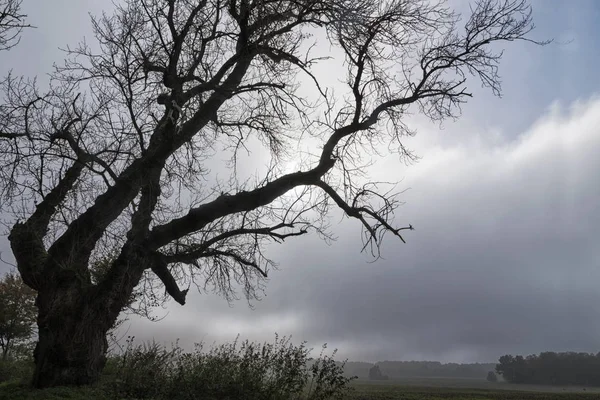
(504, 258)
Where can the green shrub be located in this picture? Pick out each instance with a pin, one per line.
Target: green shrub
(328, 380)
(18, 365)
(16, 370)
(141, 372)
(239, 370)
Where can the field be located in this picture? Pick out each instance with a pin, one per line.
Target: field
(464, 389)
(409, 389)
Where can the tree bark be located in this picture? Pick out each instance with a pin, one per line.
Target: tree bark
(5, 350)
(72, 345)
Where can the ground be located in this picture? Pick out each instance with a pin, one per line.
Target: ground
(405, 389)
(464, 389)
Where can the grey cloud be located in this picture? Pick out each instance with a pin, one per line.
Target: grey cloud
(504, 260)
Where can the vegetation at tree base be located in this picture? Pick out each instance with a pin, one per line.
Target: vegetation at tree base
(18, 364)
(550, 368)
(375, 374)
(403, 369)
(17, 313)
(116, 153)
(491, 377)
(239, 370)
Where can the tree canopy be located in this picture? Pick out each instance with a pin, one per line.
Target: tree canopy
(17, 312)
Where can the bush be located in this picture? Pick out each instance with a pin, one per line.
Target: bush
(252, 371)
(140, 372)
(18, 365)
(16, 370)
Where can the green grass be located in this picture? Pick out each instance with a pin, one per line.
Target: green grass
(19, 391)
(470, 383)
(363, 390)
(434, 389)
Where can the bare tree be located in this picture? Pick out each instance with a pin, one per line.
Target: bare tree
(116, 154)
(12, 22)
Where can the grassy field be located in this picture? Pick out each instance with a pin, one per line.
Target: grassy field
(464, 389)
(409, 389)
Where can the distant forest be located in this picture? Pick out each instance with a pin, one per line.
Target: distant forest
(419, 369)
(551, 368)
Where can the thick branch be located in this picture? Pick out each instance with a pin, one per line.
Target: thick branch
(224, 205)
(150, 193)
(6, 135)
(26, 238)
(162, 271)
(44, 211)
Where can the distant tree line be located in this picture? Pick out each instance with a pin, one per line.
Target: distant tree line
(419, 369)
(550, 368)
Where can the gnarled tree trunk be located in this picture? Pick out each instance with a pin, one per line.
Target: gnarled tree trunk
(74, 317)
(72, 345)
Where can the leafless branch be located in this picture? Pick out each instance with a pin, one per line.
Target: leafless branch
(120, 152)
(12, 23)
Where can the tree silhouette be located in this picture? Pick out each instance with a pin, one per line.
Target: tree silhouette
(117, 153)
(550, 368)
(376, 374)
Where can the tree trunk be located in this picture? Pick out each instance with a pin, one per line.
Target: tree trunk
(5, 350)
(72, 345)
